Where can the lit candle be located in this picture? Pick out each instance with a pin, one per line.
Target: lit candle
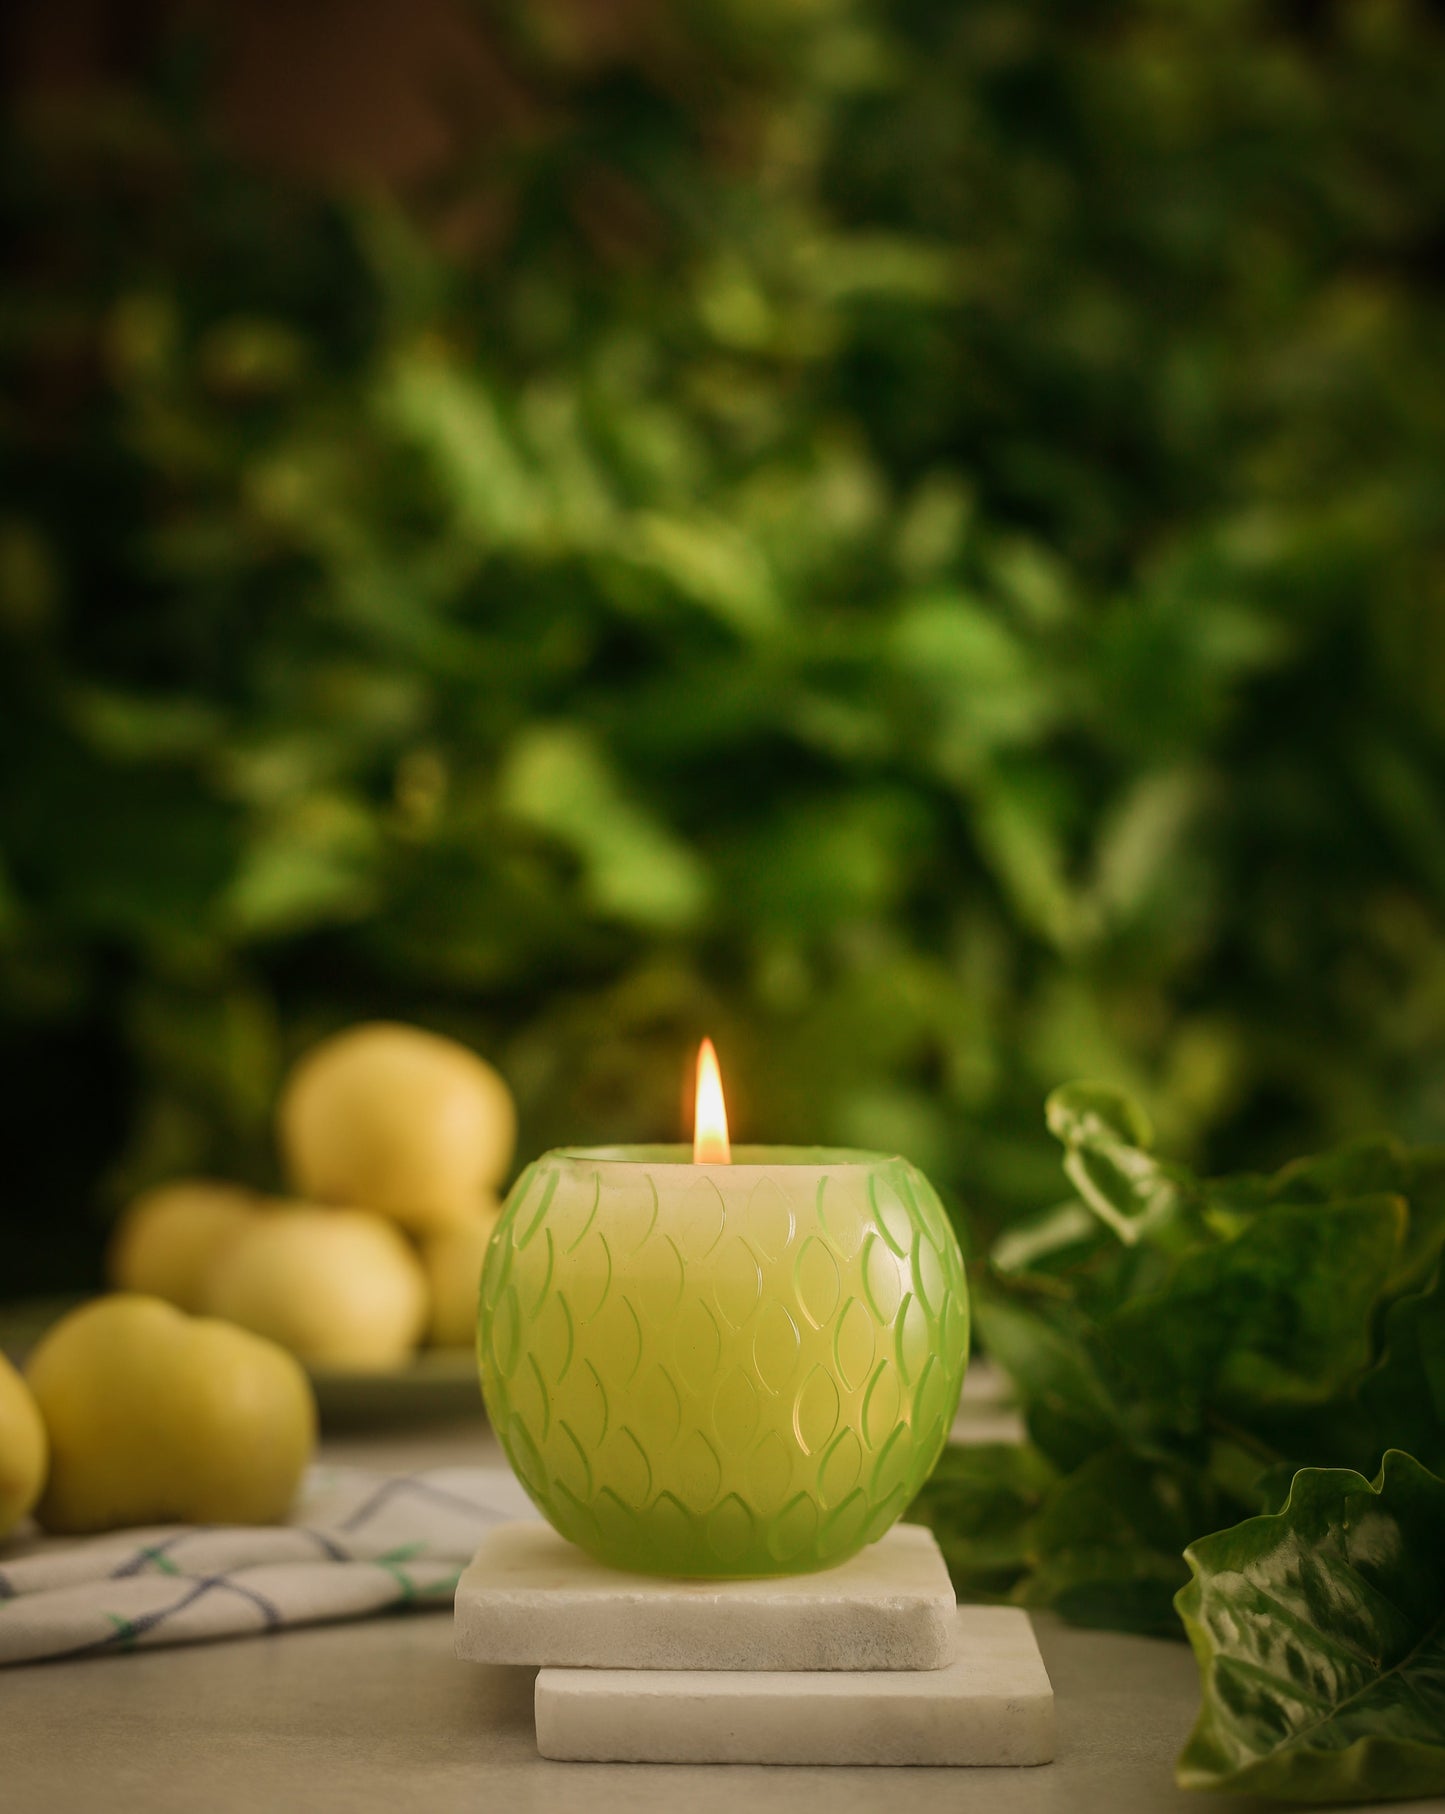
(739, 1361)
(710, 1112)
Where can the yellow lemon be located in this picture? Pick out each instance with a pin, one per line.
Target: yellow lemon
(398, 1120)
(23, 1448)
(338, 1287)
(155, 1415)
(167, 1238)
(453, 1264)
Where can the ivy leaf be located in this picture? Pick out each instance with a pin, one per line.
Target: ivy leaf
(1276, 1318)
(1106, 1137)
(1359, 1168)
(1374, 1166)
(1320, 1637)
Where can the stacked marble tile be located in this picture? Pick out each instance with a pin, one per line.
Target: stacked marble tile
(872, 1662)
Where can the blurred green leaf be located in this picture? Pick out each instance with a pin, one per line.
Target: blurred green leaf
(1107, 1547)
(446, 412)
(557, 780)
(711, 564)
(312, 862)
(1070, 1413)
(1106, 1137)
(979, 1501)
(1400, 1402)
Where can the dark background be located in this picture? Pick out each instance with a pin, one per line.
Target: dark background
(907, 537)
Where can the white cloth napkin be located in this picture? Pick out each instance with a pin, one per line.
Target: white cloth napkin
(357, 1542)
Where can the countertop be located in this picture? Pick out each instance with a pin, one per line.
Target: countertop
(379, 1715)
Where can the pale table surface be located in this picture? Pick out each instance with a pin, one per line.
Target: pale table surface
(379, 1715)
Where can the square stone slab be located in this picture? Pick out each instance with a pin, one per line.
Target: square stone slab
(530, 1597)
(991, 1705)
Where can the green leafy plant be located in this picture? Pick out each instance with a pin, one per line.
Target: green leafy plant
(1210, 1371)
(906, 539)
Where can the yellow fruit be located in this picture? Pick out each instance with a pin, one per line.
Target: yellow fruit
(166, 1240)
(398, 1120)
(155, 1415)
(23, 1448)
(338, 1287)
(453, 1264)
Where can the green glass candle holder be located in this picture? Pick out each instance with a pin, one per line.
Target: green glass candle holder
(722, 1370)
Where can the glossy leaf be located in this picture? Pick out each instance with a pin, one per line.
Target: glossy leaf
(1320, 1636)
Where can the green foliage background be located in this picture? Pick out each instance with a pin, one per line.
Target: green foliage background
(914, 546)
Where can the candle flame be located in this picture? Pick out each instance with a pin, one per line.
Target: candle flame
(710, 1126)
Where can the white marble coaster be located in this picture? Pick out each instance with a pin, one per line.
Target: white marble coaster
(529, 1597)
(991, 1705)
